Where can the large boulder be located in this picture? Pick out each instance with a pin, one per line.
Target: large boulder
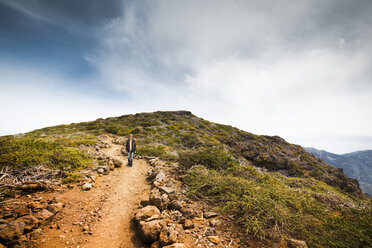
(152, 172)
(168, 235)
(117, 163)
(175, 205)
(55, 207)
(167, 190)
(161, 201)
(87, 186)
(21, 211)
(149, 231)
(43, 215)
(160, 177)
(30, 221)
(146, 212)
(188, 212)
(12, 230)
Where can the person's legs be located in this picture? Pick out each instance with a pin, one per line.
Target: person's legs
(130, 158)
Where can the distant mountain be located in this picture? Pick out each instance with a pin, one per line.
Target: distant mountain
(357, 165)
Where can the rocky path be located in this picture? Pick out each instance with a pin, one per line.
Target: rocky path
(102, 216)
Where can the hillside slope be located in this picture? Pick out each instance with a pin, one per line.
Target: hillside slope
(181, 130)
(270, 188)
(356, 165)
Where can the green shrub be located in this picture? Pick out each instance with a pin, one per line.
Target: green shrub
(151, 150)
(169, 157)
(71, 177)
(210, 157)
(190, 140)
(265, 205)
(69, 158)
(135, 130)
(149, 123)
(112, 129)
(26, 151)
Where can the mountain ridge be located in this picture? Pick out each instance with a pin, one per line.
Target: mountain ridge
(269, 187)
(356, 165)
(269, 152)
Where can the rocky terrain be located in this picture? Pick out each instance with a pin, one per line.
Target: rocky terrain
(194, 184)
(78, 214)
(170, 218)
(357, 165)
(159, 213)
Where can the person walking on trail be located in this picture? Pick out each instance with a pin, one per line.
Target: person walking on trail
(130, 148)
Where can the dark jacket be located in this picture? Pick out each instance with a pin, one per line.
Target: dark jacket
(133, 145)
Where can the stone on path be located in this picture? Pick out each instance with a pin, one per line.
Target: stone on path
(87, 186)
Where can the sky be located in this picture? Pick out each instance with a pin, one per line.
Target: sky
(298, 69)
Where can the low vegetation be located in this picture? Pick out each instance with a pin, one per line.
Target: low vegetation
(58, 153)
(219, 163)
(213, 158)
(270, 206)
(155, 151)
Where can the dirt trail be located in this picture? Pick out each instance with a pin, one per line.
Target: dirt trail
(105, 211)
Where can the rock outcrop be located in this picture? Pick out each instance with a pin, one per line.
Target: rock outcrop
(275, 154)
(21, 219)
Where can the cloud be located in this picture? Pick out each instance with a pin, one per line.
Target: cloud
(296, 69)
(271, 68)
(169, 39)
(77, 16)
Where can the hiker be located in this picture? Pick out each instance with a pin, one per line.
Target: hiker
(130, 148)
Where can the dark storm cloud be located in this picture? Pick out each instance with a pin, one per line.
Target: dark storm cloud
(53, 33)
(87, 13)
